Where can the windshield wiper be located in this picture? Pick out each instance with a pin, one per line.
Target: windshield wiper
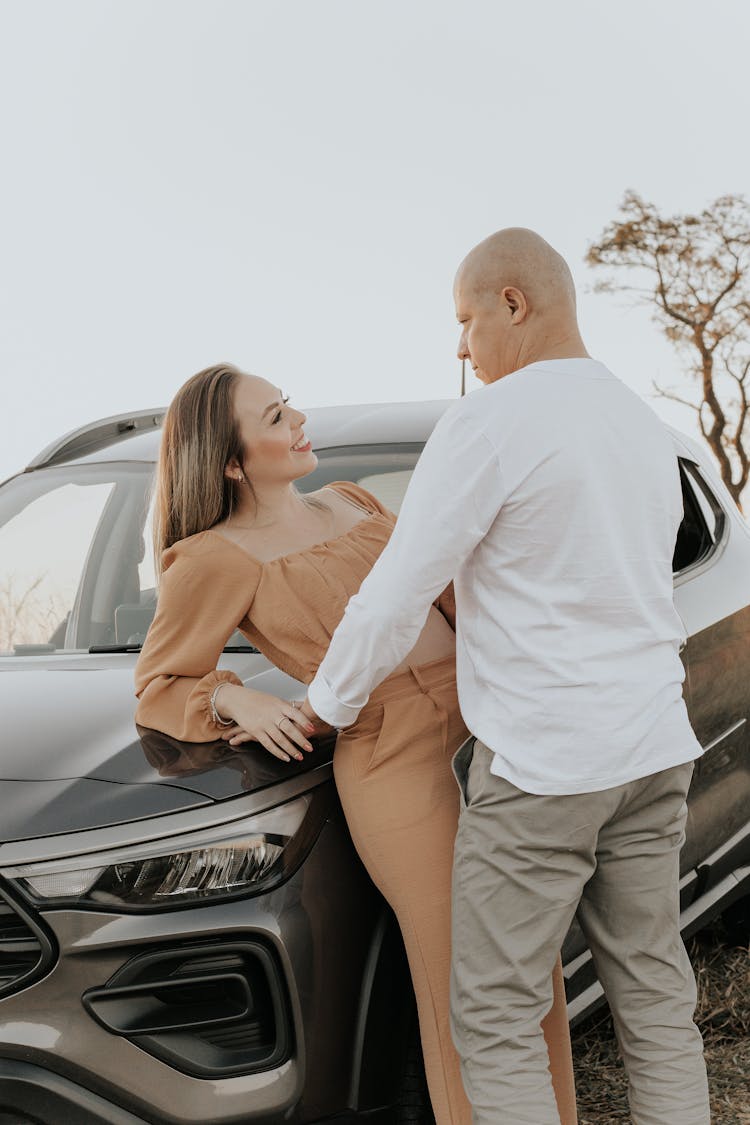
(115, 648)
(138, 647)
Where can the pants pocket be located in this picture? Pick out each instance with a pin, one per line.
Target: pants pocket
(460, 764)
(394, 734)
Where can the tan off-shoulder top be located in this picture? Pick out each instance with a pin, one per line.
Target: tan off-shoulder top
(288, 608)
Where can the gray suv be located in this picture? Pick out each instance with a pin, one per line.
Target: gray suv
(186, 933)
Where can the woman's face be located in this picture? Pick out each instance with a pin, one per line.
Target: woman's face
(276, 448)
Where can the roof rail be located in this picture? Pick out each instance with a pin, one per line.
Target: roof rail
(97, 435)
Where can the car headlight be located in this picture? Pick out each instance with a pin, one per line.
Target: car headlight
(238, 858)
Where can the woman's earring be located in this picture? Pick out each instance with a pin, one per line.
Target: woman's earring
(240, 478)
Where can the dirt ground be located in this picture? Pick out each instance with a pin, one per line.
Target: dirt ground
(723, 1015)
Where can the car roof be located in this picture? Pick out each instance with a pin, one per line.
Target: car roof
(135, 437)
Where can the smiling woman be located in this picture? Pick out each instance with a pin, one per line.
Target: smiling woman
(223, 430)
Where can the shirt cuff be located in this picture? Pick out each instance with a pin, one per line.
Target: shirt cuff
(327, 707)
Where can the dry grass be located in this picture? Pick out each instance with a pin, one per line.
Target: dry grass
(723, 1015)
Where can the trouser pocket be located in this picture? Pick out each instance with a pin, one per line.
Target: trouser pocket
(460, 764)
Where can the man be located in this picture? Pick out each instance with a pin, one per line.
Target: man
(552, 497)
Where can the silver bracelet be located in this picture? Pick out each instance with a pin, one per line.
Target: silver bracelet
(214, 713)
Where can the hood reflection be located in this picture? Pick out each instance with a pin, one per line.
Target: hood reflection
(250, 766)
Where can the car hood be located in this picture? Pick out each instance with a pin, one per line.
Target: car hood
(72, 758)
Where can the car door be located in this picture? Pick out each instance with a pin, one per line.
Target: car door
(717, 692)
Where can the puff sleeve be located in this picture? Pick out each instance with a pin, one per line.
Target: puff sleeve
(205, 592)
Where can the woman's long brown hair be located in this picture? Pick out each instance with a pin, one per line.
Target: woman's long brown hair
(200, 436)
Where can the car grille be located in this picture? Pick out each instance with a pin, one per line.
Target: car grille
(26, 950)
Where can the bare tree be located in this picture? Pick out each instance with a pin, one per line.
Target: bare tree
(28, 614)
(694, 272)
(14, 605)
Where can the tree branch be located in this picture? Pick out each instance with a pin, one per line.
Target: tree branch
(661, 393)
(700, 266)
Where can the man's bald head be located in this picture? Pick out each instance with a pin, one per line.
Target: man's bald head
(522, 259)
(516, 304)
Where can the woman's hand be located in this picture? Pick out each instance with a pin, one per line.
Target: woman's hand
(275, 723)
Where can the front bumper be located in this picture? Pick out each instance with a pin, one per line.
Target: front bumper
(43, 1097)
(317, 928)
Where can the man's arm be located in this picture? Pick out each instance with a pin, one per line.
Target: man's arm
(452, 500)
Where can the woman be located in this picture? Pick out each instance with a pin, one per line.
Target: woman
(241, 548)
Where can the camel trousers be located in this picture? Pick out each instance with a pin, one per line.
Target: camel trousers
(401, 801)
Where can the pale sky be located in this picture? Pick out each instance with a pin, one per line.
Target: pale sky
(291, 185)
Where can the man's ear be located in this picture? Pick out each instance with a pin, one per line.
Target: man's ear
(516, 303)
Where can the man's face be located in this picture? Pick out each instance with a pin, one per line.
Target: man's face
(486, 337)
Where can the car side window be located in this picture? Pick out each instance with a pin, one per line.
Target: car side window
(388, 488)
(703, 520)
(72, 559)
(384, 470)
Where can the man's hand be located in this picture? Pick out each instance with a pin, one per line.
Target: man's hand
(308, 712)
(320, 725)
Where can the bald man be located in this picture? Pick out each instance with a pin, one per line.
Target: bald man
(551, 496)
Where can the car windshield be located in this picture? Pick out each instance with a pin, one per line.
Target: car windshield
(76, 565)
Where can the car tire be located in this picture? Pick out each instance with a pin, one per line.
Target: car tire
(413, 1106)
(736, 919)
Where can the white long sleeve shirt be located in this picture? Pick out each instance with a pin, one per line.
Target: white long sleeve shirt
(552, 499)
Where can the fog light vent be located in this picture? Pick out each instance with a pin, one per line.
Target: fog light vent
(208, 1011)
(243, 1037)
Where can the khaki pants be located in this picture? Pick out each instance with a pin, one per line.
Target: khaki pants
(524, 865)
